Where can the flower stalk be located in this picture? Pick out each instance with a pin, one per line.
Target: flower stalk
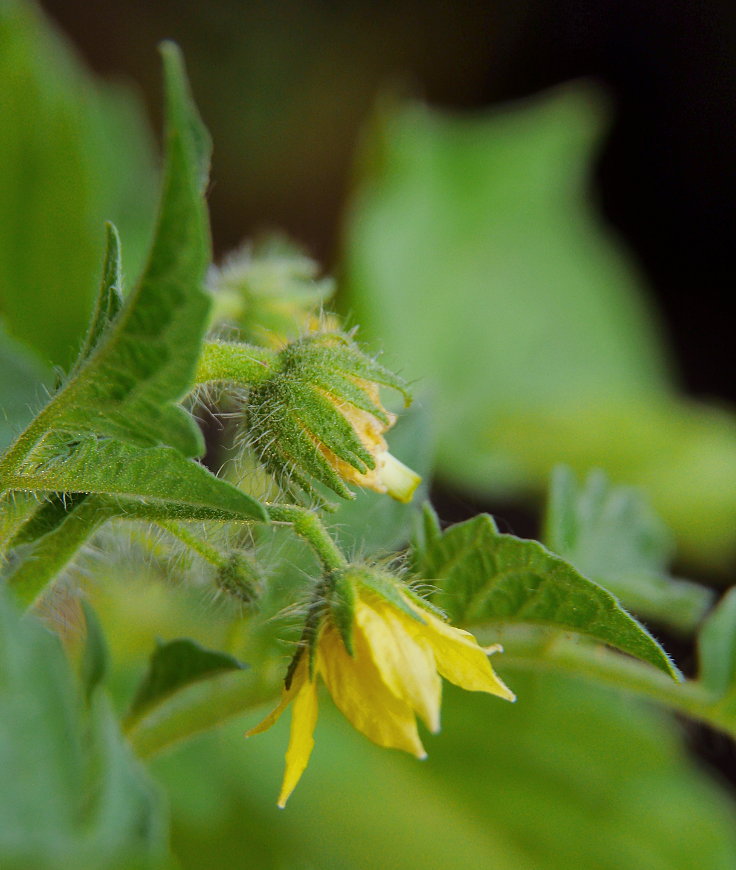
(309, 527)
(239, 363)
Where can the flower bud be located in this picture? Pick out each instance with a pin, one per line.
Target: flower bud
(240, 577)
(271, 291)
(319, 416)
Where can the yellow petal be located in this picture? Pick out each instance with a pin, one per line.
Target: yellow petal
(406, 664)
(301, 739)
(300, 675)
(361, 695)
(399, 481)
(458, 656)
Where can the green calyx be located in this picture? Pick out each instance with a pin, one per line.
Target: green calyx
(299, 417)
(347, 585)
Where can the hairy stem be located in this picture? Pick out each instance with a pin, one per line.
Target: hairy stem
(50, 554)
(308, 526)
(200, 547)
(235, 362)
(529, 649)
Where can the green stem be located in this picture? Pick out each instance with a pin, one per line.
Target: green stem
(203, 549)
(50, 554)
(308, 526)
(236, 362)
(528, 649)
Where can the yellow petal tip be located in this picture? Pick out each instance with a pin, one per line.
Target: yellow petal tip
(400, 481)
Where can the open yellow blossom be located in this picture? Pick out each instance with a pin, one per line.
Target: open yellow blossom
(399, 652)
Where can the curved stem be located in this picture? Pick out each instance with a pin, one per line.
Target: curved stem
(308, 526)
(529, 649)
(236, 362)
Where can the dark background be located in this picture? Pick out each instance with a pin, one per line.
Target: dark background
(285, 86)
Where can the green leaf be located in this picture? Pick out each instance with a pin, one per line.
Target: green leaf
(130, 385)
(610, 534)
(174, 666)
(717, 648)
(103, 465)
(75, 152)
(138, 359)
(23, 383)
(483, 576)
(571, 776)
(65, 769)
(173, 486)
(109, 297)
(476, 261)
(95, 655)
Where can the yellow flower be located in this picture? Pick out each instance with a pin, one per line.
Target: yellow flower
(399, 652)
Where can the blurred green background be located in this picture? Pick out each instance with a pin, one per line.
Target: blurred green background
(471, 250)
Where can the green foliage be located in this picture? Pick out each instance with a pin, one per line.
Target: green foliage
(22, 383)
(30, 567)
(610, 534)
(483, 576)
(475, 260)
(114, 427)
(73, 795)
(572, 775)
(717, 651)
(175, 665)
(456, 215)
(95, 657)
(75, 153)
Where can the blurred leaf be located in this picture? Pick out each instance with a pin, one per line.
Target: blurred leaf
(483, 576)
(610, 534)
(74, 154)
(681, 454)
(22, 385)
(572, 775)
(72, 793)
(589, 778)
(175, 665)
(717, 649)
(95, 656)
(475, 259)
